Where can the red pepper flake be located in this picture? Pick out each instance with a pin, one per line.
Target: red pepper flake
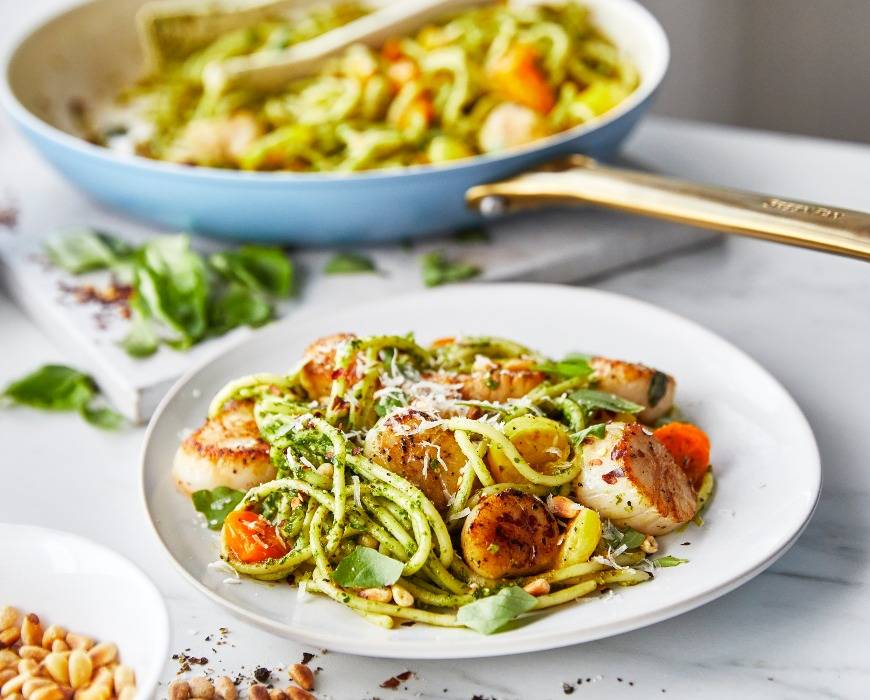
(391, 683)
(405, 675)
(306, 657)
(611, 477)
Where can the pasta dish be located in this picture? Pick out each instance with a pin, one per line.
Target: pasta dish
(457, 484)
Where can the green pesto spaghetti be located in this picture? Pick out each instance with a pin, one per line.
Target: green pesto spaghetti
(478, 81)
(462, 483)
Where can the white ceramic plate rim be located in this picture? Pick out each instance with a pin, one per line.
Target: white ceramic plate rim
(496, 645)
(146, 683)
(650, 81)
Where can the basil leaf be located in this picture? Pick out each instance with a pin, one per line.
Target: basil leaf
(102, 417)
(490, 614)
(596, 431)
(437, 269)
(590, 398)
(142, 340)
(663, 562)
(615, 538)
(571, 367)
(216, 504)
(365, 567)
(59, 388)
(84, 250)
(658, 385)
(390, 401)
(171, 280)
(52, 388)
(348, 264)
(632, 539)
(237, 306)
(260, 268)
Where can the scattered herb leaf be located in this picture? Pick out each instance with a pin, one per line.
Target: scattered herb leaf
(596, 430)
(658, 385)
(365, 567)
(60, 388)
(569, 367)
(663, 562)
(85, 250)
(237, 305)
(437, 269)
(216, 504)
(490, 614)
(348, 264)
(590, 398)
(259, 268)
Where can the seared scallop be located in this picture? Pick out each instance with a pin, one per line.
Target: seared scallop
(493, 381)
(638, 383)
(429, 458)
(319, 368)
(510, 534)
(226, 450)
(630, 477)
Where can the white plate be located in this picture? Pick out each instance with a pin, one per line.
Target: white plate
(86, 588)
(764, 455)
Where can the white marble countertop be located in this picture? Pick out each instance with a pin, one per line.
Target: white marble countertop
(799, 630)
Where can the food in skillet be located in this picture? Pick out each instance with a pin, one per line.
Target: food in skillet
(462, 483)
(480, 81)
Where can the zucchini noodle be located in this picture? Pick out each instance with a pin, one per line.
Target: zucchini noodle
(475, 81)
(402, 451)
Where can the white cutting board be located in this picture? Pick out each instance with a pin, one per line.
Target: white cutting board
(552, 246)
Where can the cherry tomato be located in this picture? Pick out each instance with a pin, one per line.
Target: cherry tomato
(251, 538)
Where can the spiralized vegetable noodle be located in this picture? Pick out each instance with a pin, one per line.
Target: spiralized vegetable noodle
(480, 81)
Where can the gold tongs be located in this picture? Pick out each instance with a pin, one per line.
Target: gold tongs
(579, 179)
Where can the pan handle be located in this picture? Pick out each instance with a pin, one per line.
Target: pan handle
(579, 179)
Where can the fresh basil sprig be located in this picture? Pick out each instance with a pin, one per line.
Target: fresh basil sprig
(490, 614)
(575, 366)
(348, 264)
(596, 431)
(438, 269)
(216, 504)
(85, 250)
(60, 388)
(664, 562)
(365, 567)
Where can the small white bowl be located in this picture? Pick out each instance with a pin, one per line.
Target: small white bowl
(89, 589)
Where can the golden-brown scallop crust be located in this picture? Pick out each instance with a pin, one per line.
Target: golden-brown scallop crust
(510, 534)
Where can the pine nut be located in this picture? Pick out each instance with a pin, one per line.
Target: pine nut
(103, 676)
(59, 645)
(537, 587)
(8, 658)
(103, 653)
(8, 617)
(95, 691)
(128, 692)
(48, 692)
(28, 667)
(53, 633)
(326, 469)
(225, 688)
(31, 630)
(179, 690)
(9, 636)
(29, 651)
(303, 676)
(299, 694)
(78, 641)
(80, 669)
(57, 665)
(13, 685)
(68, 693)
(402, 596)
(32, 684)
(649, 545)
(201, 687)
(258, 692)
(124, 676)
(563, 507)
(381, 595)
(367, 540)
(7, 674)
(277, 694)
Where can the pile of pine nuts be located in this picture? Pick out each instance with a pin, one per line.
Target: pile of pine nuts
(50, 663)
(201, 688)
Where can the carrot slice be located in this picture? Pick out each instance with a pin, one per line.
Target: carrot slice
(516, 75)
(689, 446)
